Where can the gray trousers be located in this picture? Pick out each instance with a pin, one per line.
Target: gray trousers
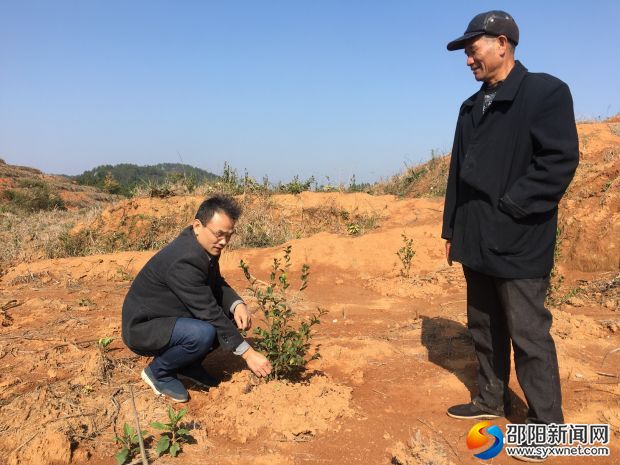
(503, 310)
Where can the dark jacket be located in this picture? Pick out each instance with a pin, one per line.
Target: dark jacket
(508, 171)
(181, 280)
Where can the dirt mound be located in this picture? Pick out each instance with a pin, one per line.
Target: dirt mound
(280, 410)
(268, 220)
(590, 210)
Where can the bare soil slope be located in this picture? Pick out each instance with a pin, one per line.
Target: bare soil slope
(395, 350)
(22, 178)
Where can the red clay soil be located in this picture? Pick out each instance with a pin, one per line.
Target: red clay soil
(395, 350)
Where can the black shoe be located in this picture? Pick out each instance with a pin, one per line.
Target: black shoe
(470, 412)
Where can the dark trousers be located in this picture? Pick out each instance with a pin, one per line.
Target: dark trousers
(190, 342)
(498, 311)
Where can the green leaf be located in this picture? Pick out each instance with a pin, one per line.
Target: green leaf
(121, 457)
(105, 342)
(158, 425)
(128, 430)
(174, 449)
(182, 431)
(171, 414)
(181, 413)
(162, 445)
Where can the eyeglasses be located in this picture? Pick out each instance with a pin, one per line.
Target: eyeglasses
(219, 235)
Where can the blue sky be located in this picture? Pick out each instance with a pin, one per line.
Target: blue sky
(323, 88)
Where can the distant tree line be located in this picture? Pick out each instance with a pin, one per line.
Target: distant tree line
(124, 178)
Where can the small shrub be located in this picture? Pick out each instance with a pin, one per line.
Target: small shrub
(570, 294)
(86, 302)
(129, 443)
(405, 254)
(174, 434)
(107, 364)
(35, 198)
(334, 219)
(364, 222)
(285, 347)
(71, 245)
(123, 275)
(188, 183)
(296, 186)
(161, 190)
(355, 187)
(104, 342)
(353, 229)
(111, 185)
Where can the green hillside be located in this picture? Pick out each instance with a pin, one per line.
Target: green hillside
(123, 178)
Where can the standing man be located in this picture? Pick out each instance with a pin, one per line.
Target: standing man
(179, 304)
(515, 152)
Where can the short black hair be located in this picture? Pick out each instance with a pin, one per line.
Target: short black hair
(218, 203)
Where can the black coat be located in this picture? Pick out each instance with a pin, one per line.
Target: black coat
(181, 280)
(508, 172)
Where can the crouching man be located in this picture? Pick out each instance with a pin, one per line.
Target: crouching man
(179, 307)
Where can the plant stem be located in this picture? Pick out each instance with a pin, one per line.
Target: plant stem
(140, 440)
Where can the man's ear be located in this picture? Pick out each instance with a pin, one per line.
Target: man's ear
(503, 44)
(196, 224)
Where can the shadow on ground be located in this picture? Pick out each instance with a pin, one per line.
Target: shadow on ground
(449, 346)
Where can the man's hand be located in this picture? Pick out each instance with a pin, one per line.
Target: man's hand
(448, 246)
(257, 362)
(243, 317)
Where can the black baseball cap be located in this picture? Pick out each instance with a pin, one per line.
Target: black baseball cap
(494, 22)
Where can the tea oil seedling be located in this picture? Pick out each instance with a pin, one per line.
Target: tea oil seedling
(104, 342)
(123, 275)
(405, 255)
(107, 364)
(285, 346)
(173, 433)
(129, 443)
(353, 229)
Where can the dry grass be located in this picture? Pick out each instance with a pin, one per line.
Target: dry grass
(336, 220)
(28, 236)
(261, 224)
(151, 233)
(419, 451)
(426, 180)
(265, 224)
(35, 225)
